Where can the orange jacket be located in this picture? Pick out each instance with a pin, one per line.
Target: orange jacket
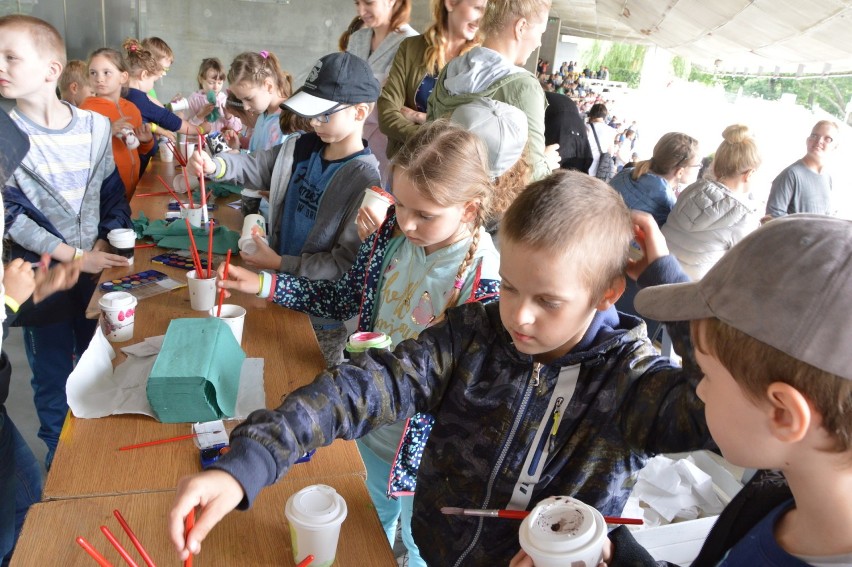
(126, 160)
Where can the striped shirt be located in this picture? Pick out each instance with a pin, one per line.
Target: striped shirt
(63, 156)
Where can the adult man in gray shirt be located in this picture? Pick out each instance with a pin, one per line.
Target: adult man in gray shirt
(803, 187)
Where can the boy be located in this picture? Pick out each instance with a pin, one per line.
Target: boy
(316, 181)
(74, 83)
(771, 322)
(62, 201)
(550, 391)
(513, 30)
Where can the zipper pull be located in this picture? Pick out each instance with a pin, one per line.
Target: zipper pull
(555, 427)
(535, 372)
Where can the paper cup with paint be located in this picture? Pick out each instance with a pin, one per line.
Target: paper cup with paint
(166, 155)
(233, 316)
(252, 224)
(377, 201)
(194, 213)
(179, 183)
(315, 515)
(359, 342)
(118, 313)
(123, 240)
(202, 291)
(561, 531)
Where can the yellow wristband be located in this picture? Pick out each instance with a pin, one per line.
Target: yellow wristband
(78, 253)
(153, 127)
(11, 303)
(200, 130)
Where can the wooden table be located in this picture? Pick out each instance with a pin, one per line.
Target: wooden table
(257, 537)
(90, 477)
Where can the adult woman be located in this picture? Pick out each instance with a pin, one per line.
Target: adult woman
(385, 26)
(402, 104)
(651, 185)
(712, 215)
(605, 135)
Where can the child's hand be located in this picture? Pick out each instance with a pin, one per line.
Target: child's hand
(551, 156)
(19, 280)
(216, 492)
(521, 559)
(205, 110)
(167, 134)
(50, 280)
(119, 124)
(264, 259)
(200, 164)
(413, 115)
(232, 138)
(95, 261)
(143, 133)
(367, 223)
(239, 279)
(649, 238)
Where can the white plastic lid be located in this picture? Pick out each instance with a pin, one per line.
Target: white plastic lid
(560, 524)
(117, 300)
(316, 505)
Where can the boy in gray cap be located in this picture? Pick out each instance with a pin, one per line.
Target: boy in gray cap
(771, 323)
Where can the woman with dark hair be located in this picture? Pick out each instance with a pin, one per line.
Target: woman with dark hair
(605, 135)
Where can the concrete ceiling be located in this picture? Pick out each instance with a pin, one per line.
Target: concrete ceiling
(738, 33)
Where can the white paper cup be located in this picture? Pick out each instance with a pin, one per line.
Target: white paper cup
(234, 316)
(166, 154)
(252, 224)
(195, 214)
(179, 104)
(118, 313)
(202, 291)
(123, 240)
(376, 201)
(179, 182)
(315, 514)
(561, 531)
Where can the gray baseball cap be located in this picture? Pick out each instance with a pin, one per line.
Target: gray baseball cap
(501, 126)
(788, 284)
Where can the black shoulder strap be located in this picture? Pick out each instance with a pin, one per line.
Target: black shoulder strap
(598, 142)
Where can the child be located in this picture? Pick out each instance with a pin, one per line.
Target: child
(143, 69)
(404, 279)
(512, 31)
(63, 200)
(549, 392)
(771, 321)
(211, 78)
(235, 108)
(316, 180)
(259, 82)
(164, 56)
(74, 83)
(108, 74)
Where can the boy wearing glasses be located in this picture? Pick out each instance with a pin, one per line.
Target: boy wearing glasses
(804, 187)
(316, 181)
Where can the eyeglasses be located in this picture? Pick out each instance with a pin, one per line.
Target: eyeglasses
(326, 116)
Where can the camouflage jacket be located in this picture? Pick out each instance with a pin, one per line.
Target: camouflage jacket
(616, 402)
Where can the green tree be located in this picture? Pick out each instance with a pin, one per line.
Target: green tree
(624, 60)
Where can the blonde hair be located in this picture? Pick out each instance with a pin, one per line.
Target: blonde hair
(573, 213)
(831, 123)
(207, 64)
(737, 153)
(290, 122)
(254, 68)
(158, 47)
(502, 13)
(755, 365)
(449, 166)
(74, 72)
(436, 37)
(47, 40)
(672, 151)
(140, 59)
(356, 24)
(509, 185)
(401, 14)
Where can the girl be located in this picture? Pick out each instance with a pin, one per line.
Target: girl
(259, 82)
(211, 78)
(385, 26)
(144, 69)
(402, 105)
(431, 253)
(164, 56)
(712, 215)
(108, 74)
(235, 108)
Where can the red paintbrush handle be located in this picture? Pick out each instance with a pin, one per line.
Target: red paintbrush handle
(224, 278)
(158, 442)
(306, 561)
(118, 547)
(93, 552)
(513, 514)
(136, 543)
(189, 523)
(630, 521)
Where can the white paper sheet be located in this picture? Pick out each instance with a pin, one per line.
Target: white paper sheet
(95, 390)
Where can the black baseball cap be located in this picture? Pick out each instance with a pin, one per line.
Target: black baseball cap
(14, 145)
(337, 79)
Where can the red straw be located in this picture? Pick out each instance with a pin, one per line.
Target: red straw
(161, 441)
(188, 188)
(190, 521)
(171, 191)
(224, 278)
(201, 179)
(121, 551)
(306, 561)
(93, 552)
(210, 249)
(196, 259)
(175, 153)
(136, 543)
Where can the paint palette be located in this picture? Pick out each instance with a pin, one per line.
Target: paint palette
(141, 285)
(177, 260)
